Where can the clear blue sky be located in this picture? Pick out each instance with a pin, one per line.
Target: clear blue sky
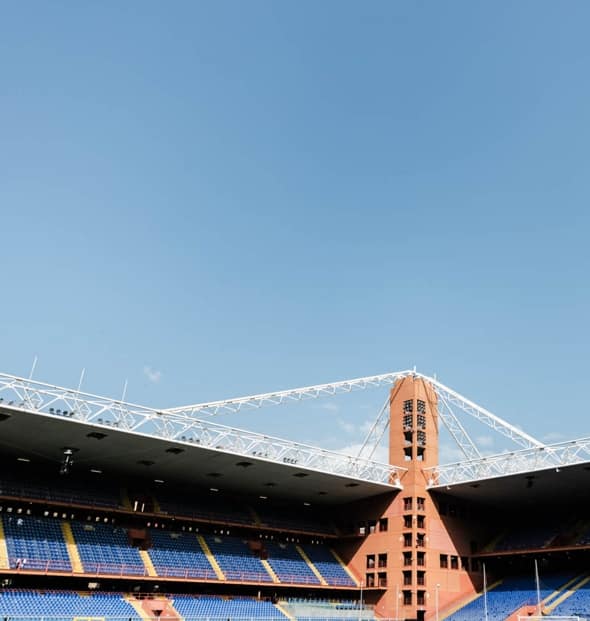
(247, 196)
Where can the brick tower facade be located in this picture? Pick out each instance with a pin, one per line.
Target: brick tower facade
(414, 553)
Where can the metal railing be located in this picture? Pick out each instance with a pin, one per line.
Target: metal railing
(48, 566)
(552, 456)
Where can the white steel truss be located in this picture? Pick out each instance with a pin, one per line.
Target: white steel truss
(181, 425)
(376, 433)
(553, 456)
(17, 393)
(228, 406)
(485, 416)
(456, 429)
(447, 416)
(450, 397)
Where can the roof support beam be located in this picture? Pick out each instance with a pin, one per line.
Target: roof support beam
(19, 394)
(376, 433)
(485, 416)
(228, 406)
(525, 461)
(182, 425)
(456, 429)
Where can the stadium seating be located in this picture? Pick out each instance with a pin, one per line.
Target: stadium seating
(70, 491)
(288, 564)
(510, 595)
(204, 507)
(287, 519)
(210, 508)
(191, 607)
(577, 604)
(35, 544)
(235, 559)
(528, 537)
(64, 605)
(179, 554)
(201, 506)
(106, 550)
(39, 544)
(327, 565)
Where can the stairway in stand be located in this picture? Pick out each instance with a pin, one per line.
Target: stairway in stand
(156, 606)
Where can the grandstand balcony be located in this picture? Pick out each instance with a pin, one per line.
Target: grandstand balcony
(108, 499)
(61, 493)
(50, 545)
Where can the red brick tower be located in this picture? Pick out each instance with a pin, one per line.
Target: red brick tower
(416, 545)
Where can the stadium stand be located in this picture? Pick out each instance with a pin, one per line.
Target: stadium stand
(333, 610)
(326, 563)
(286, 519)
(64, 605)
(528, 537)
(577, 604)
(413, 551)
(289, 565)
(38, 543)
(204, 507)
(513, 593)
(179, 554)
(105, 549)
(66, 492)
(236, 560)
(35, 544)
(202, 607)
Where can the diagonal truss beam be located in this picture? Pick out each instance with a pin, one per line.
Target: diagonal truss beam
(228, 406)
(456, 429)
(525, 461)
(376, 433)
(447, 416)
(485, 416)
(451, 397)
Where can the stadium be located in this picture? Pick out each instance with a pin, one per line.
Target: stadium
(111, 510)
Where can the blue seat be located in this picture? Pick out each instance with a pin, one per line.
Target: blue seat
(179, 554)
(64, 605)
(513, 593)
(326, 563)
(35, 543)
(105, 549)
(191, 607)
(236, 560)
(289, 565)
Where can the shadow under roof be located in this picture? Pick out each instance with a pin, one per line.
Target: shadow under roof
(41, 438)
